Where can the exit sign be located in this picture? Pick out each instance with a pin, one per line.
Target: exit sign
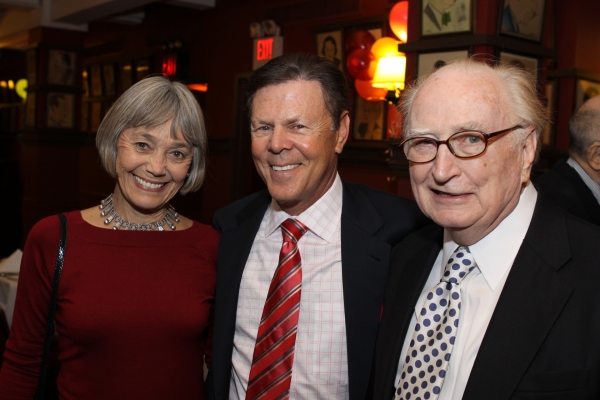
(265, 49)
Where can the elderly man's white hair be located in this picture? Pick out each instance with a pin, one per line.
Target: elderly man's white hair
(519, 86)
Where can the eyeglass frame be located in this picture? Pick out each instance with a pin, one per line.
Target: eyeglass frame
(486, 137)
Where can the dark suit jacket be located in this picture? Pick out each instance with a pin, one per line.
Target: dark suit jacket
(543, 341)
(566, 188)
(372, 222)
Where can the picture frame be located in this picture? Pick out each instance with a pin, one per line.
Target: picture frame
(531, 64)
(108, 73)
(522, 19)
(439, 17)
(551, 101)
(85, 82)
(96, 80)
(61, 67)
(585, 90)
(369, 120)
(30, 110)
(126, 76)
(60, 110)
(427, 61)
(142, 69)
(331, 47)
(95, 116)
(31, 67)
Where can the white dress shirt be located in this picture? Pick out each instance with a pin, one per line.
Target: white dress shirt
(480, 290)
(320, 369)
(589, 182)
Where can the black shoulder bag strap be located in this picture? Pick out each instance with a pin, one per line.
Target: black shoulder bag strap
(60, 258)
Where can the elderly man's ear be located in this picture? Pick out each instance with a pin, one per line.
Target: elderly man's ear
(593, 156)
(529, 146)
(342, 133)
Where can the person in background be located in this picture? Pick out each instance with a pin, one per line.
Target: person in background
(138, 282)
(574, 184)
(303, 264)
(498, 298)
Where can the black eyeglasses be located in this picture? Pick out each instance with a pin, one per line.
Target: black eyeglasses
(463, 144)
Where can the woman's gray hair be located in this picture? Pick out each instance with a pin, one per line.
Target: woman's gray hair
(150, 103)
(519, 88)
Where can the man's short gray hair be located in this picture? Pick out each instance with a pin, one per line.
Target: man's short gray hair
(519, 85)
(150, 103)
(584, 129)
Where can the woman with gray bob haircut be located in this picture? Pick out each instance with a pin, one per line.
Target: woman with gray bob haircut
(138, 281)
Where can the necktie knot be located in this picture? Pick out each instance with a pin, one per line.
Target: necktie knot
(292, 230)
(459, 265)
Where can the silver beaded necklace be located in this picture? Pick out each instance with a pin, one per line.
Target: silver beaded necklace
(107, 208)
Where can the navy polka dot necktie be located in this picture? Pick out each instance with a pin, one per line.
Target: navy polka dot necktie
(429, 351)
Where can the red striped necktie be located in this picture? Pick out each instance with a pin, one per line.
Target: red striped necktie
(271, 372)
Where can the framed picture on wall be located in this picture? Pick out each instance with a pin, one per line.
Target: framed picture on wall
(330, 46)
(369, 119)
(30, 110)
(523, 19)
(584, 91)
(85, 83)
(528, 63)
(427, 61)
(61, 67)
(108, 73)
(142, 69)
(96, 80)
(85, 116)
(31, 67)
(551, 96)
(60, 110)
(95, 116)
(126, 76)
(440, 17)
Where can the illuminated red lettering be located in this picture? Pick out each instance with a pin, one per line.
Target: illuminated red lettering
(264, 49)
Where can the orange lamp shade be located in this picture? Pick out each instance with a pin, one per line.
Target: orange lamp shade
(385, 47)
(390, 72)
(366, 90)
(399, 20)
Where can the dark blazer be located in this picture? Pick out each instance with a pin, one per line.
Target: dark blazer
(372, 222)
(566, 188)
(543, 341)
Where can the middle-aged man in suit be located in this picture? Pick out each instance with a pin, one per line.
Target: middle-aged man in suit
(574, 184)
(323, 348)
(519, 273)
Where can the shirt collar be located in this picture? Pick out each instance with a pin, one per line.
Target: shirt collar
(495, 253)
(322, 218)
(589, 182)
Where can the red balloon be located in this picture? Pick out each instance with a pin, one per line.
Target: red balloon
(359, 63)
(399, 20)
(368, 92)
(359, 40)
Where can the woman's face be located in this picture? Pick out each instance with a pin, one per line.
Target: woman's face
(151, 166)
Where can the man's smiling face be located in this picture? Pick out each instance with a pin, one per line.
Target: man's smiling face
(469, 197)
(293, 145)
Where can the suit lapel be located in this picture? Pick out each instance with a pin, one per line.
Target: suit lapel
(582, 194)
(407, 278)
(531, 301)
(234, 247)
(365, 260)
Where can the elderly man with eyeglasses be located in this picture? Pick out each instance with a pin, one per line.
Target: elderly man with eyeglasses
(499, 299)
